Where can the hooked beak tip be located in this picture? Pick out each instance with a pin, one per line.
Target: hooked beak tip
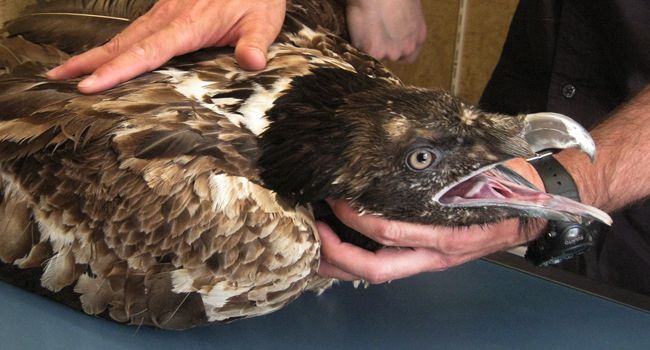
(553, 131)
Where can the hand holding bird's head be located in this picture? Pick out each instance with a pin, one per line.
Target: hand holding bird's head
(411, 154)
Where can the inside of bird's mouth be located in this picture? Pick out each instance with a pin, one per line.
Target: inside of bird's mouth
(492, 187)
(498, 186)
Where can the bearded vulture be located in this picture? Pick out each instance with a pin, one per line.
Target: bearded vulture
(184, 196)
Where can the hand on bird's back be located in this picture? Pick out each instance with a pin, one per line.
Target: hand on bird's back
(415, 248)
(176, 27)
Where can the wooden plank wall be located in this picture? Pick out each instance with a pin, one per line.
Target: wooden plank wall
(464, 43)
(10, 8)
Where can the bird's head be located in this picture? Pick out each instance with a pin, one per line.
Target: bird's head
(410, 154)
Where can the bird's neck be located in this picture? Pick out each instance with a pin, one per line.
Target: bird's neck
(303, 147)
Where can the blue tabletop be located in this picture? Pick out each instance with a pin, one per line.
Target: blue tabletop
(476, 306)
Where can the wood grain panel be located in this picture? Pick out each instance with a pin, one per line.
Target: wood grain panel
(10, 8)
(485, 29)
(433, 69)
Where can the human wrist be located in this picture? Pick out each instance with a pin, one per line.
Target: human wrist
(585, 177)
(555, 177)
(560, 240)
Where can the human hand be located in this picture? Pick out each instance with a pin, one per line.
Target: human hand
(176, 27)
(414, 248)
(386, 28)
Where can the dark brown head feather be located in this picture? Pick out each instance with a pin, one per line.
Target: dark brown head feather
(310, 159)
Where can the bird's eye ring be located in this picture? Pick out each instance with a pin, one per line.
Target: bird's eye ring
(421, 158)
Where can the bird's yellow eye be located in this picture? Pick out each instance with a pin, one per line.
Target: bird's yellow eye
(421, 158)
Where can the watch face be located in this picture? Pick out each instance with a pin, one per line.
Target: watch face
(563, 241)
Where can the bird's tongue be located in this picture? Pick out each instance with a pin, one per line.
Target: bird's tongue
(499, 187)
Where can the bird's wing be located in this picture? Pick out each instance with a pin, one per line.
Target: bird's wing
(75, 26)
(144, 199)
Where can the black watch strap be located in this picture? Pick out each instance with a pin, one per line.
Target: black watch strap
(556, 179)
(563, 240)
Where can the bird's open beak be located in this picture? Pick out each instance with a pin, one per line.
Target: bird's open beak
(497, 186)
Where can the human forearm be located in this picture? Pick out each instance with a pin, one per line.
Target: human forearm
(619, 175)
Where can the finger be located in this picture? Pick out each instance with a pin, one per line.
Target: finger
(413, 56)
(449, 241)
(250, 57)
(141, 57)
(394, 54)
(393, 263)
(375, 52)
(375, 267)
(389, 232)
(253, 44)
(328, 270)
(89, 61)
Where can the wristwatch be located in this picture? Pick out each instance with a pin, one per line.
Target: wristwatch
(563, 240)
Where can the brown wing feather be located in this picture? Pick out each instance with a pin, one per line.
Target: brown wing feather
(146, 200)
(17, 53)
(154, 195)
(76, 25)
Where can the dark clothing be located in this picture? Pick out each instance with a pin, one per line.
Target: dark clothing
(582, 58)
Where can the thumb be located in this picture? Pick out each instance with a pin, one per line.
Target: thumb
(252, 47)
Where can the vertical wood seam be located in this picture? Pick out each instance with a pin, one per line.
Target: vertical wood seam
(459, 46)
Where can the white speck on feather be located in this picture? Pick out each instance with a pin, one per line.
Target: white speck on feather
(192, 87)
(182, 281)
(222, 292)
(255, 108)
(225, 190)
(469, 116)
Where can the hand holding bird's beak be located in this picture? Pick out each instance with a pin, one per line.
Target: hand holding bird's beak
(414, 248)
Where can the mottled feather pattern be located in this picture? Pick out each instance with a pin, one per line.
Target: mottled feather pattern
(184, 196)
(146, 199)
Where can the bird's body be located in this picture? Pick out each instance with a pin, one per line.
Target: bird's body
(182, 196)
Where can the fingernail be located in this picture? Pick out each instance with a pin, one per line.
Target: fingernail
(88, 81)
(256, 58)
(259, 52)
